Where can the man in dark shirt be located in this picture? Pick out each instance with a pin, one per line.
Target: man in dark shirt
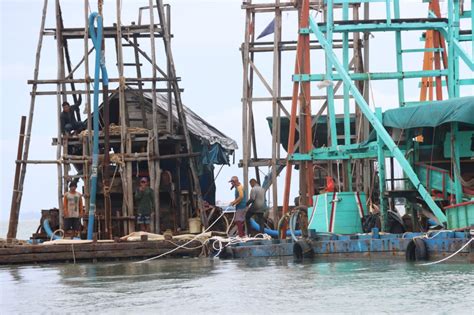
(145, 200)
(68, 119)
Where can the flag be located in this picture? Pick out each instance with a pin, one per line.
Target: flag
(268, 30)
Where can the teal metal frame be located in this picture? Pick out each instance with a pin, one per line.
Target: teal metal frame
(384, 146)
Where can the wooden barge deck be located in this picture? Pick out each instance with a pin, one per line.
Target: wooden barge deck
(95, 251)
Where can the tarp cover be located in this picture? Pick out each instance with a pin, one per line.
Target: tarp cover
(432, 115)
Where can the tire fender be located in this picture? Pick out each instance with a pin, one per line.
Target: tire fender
(416, 250)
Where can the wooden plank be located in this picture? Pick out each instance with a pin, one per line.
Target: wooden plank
(92, 255)
(58, 248)
(111, 31)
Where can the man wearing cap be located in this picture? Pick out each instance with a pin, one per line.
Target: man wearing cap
(73, 210)
(239, 204)
(68, 119)
(145, 200)
(257, 205)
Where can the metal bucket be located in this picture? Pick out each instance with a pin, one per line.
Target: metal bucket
(194, 225)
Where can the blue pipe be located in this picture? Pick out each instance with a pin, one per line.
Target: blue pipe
(49, 231)
(96, 36)
(272, 233)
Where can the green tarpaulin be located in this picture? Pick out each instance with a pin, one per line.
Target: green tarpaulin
(432, 115)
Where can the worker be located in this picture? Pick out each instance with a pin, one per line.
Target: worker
(73, 210)
(239, 203)
(68, 120)
(145, 199)
(258, 206)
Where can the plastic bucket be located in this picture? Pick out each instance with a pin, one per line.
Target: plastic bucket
(194, 225)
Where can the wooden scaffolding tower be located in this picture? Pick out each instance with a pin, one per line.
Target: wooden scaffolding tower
(161, 79)
(281, 104)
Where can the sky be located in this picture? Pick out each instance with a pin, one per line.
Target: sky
(207, 37)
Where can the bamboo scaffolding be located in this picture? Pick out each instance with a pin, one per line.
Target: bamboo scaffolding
(124, 144)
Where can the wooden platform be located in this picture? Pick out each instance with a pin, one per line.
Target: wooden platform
(93, 252)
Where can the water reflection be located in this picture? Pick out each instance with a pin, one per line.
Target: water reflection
(263, 285)
(137, 272)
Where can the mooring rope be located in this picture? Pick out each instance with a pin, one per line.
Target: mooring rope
(183, 246)
(449, 257)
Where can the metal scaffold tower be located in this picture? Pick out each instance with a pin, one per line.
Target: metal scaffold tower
(358, 142)
(135, 132)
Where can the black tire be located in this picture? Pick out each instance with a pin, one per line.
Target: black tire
(302, 249)
(416, 250)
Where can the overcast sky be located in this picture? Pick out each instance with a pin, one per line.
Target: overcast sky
(207, 36)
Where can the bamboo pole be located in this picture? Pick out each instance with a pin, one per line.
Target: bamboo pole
(16, 204)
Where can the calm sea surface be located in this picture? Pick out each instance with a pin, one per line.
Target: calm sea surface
(258, 286)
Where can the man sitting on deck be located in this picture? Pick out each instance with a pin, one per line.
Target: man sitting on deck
(145, 200)
(239, 204)
(73, 210)
(257, 205)
(68, 120)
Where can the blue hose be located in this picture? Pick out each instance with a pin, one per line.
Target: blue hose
(96, 36)
(49, 231)
(272, 233)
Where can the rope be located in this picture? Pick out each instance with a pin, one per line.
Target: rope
(234, 240)
(183, 246)
(449, 257)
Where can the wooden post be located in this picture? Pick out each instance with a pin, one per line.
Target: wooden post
(168, 71)
(358, 67)
(14, 214)
(126, 174)
(180, 110)
(156, 145)
(245, 100)
(59, 87)
(105, 168)
(87, 143)
(275, 109)
(366, 164)
(141, 99)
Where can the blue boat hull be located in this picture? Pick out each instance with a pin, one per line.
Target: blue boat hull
(361, 245)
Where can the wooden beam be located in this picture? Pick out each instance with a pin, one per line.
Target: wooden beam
(14, 213)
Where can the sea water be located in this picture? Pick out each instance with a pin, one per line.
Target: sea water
(250, 286)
